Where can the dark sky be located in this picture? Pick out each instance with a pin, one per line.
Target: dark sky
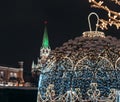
(22, 26)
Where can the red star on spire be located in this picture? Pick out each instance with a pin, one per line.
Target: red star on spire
(45, 22)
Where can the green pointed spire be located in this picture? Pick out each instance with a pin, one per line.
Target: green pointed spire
(45, 42)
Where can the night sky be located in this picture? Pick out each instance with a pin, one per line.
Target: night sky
(22, 27)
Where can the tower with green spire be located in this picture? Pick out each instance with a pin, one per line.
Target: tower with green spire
(45, 49)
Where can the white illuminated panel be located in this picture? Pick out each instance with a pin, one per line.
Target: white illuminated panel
(117, 96)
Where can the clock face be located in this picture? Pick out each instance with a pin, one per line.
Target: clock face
(64, 76)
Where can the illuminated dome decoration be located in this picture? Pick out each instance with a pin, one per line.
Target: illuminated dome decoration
(81, 70)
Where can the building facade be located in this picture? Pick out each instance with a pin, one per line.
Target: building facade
(10, 74)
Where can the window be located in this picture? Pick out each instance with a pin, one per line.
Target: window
(15, 75)
(11, 74)
(1, 74)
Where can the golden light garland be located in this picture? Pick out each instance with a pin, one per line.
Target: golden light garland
(113, 16)
(116, 1)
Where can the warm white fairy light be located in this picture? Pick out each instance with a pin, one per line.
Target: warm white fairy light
(113, 16)
(116, 1)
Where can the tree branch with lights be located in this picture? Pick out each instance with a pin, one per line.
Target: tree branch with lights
(116, 1)
(113, 16)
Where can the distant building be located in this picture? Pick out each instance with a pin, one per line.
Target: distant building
(10, 74)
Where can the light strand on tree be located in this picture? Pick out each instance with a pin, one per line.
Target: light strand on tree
(116, 1)
(113, 16)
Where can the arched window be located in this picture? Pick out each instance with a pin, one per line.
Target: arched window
(2, 74)
(11, 74)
